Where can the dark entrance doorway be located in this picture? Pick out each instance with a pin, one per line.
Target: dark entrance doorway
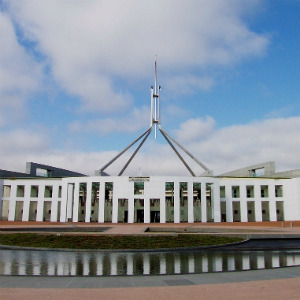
(155, 217)
(140, 216)
(223, 217)
(125, 216)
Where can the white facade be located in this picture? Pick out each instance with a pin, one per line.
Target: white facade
(150, 199)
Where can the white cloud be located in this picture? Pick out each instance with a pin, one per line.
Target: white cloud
(20, 74)
(222, 150)
(187, 85)
(92, 45)
(194, 130)
(133, 121)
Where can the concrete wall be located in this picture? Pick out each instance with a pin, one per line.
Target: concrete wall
(263, 199)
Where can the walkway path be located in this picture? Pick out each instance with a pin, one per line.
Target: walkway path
(262, 284)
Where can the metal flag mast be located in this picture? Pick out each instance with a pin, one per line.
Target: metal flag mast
(155, 102)
(154, 122)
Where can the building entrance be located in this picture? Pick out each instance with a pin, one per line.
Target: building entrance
(155, 217)
(126, 216)
(140, 216)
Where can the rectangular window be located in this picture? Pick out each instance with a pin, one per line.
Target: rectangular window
(6, 190)
(183, 191)
(95, 193)
(48, 191)
(43, 172)
(235, 192)
(34, 191)
(222, 192)
(20, 190)
(278, 191)
(139, 188)
(59, 192)
(169, 192)
(264, 191)
(250, 191)
(82, 193)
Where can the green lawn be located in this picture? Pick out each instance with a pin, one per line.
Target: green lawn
(113, 242)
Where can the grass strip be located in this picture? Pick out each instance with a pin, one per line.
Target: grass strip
(113, 242)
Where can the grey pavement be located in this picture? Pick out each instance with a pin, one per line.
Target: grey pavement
(147, 281)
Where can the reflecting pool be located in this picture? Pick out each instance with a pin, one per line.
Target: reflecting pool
(56, 263)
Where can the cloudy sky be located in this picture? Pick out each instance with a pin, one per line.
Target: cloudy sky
(75, 81)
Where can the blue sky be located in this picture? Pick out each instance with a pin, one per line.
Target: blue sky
(75, 82)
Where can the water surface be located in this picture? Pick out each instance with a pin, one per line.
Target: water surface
(56, 263)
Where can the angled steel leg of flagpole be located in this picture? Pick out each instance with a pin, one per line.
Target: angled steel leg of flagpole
(180, 157)
(135, 152)
(124, 150)
(186, 151)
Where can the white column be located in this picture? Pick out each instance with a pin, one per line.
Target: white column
(12, 202)
(272, 202)
(54, 205)
(12, 209)
(228, 195)
(53, 216)
(115, 209)
(176, 203)
(88, 202)
(163, 208)
(257, 203)
(40, 210)
(216, 202)
(203, 203)
(1, 195)
(101, 202)
(146, 210)
(40, 205)
(190, 203)
(63, 199)
(76, 202)
(26, 203)
(272, 209)
(131, 210)
(25, 216)
(68, 192)
(243, 203)
(258, 211)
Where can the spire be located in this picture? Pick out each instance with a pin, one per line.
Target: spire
(155, 101)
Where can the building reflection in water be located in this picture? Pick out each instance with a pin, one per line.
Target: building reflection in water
(56, 263)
